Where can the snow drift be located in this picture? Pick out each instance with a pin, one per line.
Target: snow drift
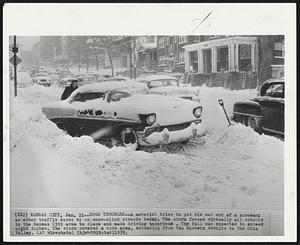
(228, 167)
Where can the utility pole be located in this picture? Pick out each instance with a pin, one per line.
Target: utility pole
(15, 51)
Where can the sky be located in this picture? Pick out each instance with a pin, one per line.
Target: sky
(27, 42)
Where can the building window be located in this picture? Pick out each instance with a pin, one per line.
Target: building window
(277, 71)
(245, 52)
(245, 57)
(279, 49)
(222, 59)
(182, 39)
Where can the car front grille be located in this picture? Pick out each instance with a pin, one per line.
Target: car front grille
(173, 127)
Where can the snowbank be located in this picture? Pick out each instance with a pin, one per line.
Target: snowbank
(228, 167)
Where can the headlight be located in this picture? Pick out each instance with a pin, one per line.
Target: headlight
(151, 119)
(198, 112)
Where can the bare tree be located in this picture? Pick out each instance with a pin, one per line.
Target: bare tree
(128, 45)
(76, 49)
(111, 49)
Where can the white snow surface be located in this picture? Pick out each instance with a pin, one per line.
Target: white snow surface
(227, 167)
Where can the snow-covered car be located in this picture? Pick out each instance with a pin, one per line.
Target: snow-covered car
(87, 79)
(44, 81)
(168, 85)
(109, 79)
(54, 78)
(265, 112)
(37, 75)
(66, 81)
(125, 113)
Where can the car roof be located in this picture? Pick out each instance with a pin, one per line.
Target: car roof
(84, 76)
(69, 78)
(274, 80)
(107, 86)
(158, 77)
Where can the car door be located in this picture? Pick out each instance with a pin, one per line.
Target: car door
(89, 110)
(273, 109)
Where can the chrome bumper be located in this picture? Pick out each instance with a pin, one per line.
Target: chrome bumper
(166, 137)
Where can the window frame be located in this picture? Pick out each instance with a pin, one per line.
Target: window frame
(73, 99)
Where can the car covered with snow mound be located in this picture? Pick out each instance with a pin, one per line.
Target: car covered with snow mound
(126, 114)
(44, 81)
(168, 85)
(265, 112)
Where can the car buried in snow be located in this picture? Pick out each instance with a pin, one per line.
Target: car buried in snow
(168, 85)
(265, 112)
(66, 81)
(87, 79)
(44, 81)
(124, 113)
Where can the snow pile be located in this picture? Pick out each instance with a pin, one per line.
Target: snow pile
(228, 167)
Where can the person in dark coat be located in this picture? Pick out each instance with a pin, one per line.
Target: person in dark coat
(69, 90)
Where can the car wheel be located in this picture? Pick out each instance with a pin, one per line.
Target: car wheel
(129, 137)
(254, 123)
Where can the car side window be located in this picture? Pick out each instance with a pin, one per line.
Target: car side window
(275, 90)
(117, 96)
(82, 97)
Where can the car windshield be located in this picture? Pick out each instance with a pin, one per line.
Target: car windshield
(163, 83)
(118, 94)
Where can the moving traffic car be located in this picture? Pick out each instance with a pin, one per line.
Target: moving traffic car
(168, 85)
(126, 114)
(265, 112)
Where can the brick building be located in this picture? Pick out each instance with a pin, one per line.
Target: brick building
(146, 52)
(170, 51)
(270, 56)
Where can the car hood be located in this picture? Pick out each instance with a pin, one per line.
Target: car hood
(168, 109)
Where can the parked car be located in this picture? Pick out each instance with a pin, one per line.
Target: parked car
(39, 74)
(44, 81)
(109, 79)
(265, 112)
(66, 81)
(87, 79)
(125, 112)
(168, 85)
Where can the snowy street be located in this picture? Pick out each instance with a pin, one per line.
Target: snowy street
(228, 167)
